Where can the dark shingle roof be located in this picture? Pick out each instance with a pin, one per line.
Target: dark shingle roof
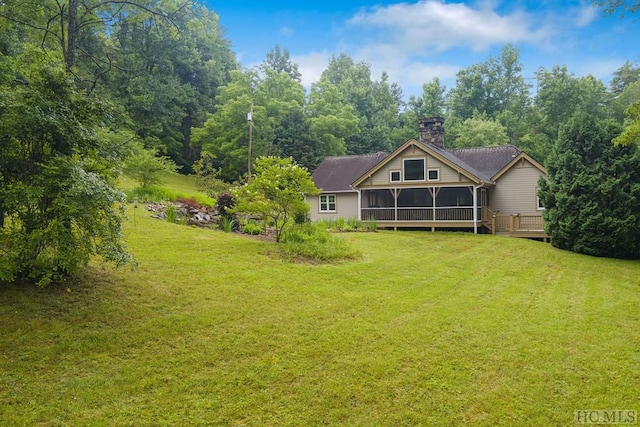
(486, 160)
(338, 173)
(460, 163)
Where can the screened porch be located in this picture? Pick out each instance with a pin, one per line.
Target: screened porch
(423, 207)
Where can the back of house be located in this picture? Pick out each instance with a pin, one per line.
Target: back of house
(421, 184)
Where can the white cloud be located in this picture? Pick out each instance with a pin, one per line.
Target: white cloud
(585, 15)
(286, 32)
(311, 66)
(417, 41)
(430, 26)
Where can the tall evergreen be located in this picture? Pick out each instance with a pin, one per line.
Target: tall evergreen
(592, 191)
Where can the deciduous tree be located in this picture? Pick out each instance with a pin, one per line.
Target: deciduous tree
(55, 211)
(277, 192)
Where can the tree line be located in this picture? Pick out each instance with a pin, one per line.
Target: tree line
(89, 88)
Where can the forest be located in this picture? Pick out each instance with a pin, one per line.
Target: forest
(87, 85)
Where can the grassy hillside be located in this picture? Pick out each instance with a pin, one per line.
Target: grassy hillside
(426, 329)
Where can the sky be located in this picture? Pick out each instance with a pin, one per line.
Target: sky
(415, 41)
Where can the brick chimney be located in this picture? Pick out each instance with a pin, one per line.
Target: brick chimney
(432, 131)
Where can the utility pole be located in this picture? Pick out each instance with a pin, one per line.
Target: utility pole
(250, 120)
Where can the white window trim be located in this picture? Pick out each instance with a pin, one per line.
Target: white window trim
(327, 203)
(399, 175)
(424, 171)
(431, 170)
(538, 205)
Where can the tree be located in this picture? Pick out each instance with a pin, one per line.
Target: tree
(146, 167)
(477, 131)
(225, 133)
(55, 212)
(432, 103)
(376, 104)
(560, 95)
(332, 119)
(592, 192)
(167, 75)
(631, 133)
(279, 61)
(275, 98)
(624, 76)
(620, 7)
(491, 87)
(277, 191)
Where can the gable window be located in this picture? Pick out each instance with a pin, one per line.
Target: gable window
(394, 176)
(540, 206)
(327, 203)
(413, 169)
(433, 175)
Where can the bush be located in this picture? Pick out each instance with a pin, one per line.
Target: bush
(225, 204)
(252, 227)
(314, 242)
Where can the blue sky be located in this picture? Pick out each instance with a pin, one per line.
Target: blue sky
(415, 41)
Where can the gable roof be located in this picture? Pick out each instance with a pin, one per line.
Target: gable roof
(487, 160)
(480, 164)
(439, 153)
(520, 157)
(339, 172)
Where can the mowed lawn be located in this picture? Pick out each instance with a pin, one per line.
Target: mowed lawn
(426, 329)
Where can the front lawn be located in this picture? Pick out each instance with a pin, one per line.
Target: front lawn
(424, 329)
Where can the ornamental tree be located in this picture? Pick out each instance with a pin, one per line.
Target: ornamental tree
(592, 191)
(57, 209)
(277, 192)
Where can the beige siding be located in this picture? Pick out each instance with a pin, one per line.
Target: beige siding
(382, 177)
(346, 207)
(515, 191)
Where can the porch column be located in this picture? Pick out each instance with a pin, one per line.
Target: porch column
(359, 204)
(395, 203)
(475, 209)
(435, 197)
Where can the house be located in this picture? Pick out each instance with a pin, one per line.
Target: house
(422, 184)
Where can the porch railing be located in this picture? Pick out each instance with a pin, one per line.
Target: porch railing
(453, 213)
(515, 223)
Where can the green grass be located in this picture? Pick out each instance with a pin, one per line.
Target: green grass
(172, 187)
(424, 329)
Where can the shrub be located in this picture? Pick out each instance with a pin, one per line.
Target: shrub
(252, 227)
(314, 242)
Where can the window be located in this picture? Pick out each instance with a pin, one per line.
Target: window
(413, 169)
(539, 205)
(327, 203)
(394, 176)
(433, 175)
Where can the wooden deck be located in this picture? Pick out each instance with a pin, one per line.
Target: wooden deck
(515, 225)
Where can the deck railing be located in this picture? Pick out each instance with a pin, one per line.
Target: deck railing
(450, 213)
(515, 223)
